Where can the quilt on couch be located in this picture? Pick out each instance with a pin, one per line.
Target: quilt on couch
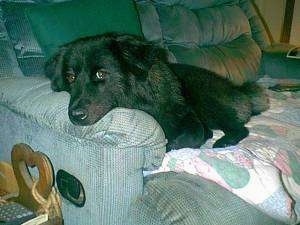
(264, 168)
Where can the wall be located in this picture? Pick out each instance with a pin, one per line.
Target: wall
(273, 13)
(295, 33)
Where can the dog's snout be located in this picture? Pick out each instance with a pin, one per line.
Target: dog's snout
(78, 114)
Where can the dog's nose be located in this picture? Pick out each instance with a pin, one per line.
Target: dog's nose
(78, 114)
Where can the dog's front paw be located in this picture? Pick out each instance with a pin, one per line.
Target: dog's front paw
(208, 134)
(224, 142)
(186, 140)
(231, 138)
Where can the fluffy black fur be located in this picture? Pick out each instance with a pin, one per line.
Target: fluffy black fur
(114, 70)
(219, 104)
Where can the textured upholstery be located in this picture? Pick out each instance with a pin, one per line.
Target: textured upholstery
(25, 46)
(208, 34)
(8, 62)
(258, 31)
(170, 198)
(108, 158)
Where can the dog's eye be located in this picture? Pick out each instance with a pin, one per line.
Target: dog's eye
(101, 74)
(71, 77)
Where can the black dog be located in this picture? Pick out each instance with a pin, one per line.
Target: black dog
(114, 70)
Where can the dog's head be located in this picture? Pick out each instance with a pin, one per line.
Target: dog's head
(98, 72)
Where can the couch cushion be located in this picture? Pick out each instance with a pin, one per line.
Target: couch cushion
(28, 53)
(183, 199)
(215, 35)
(236, 60)
(57, 24)
(202, 27)
(8, 61)
(258, 29)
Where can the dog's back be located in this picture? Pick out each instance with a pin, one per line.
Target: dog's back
(218, 103)
(201, 86)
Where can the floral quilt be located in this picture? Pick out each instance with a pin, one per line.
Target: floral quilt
(263, 169)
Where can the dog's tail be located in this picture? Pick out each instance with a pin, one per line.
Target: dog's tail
(258, 97)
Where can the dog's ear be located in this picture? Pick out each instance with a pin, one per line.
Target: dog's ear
(53, 70)
(136, 55)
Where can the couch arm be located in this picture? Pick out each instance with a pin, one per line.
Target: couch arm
(275, 64)
(107, 157)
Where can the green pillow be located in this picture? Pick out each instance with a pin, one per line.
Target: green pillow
(55, 24)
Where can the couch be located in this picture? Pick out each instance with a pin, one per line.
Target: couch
(112, 157)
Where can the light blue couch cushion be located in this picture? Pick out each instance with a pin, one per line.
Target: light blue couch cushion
(185, 199)
(29, 54)
(8, 62)
(21, 44)
(108, 157)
